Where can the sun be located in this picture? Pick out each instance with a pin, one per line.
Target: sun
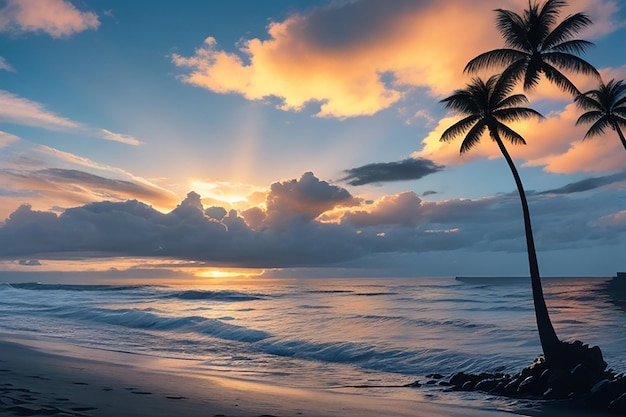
(221, 191)
(230, 273)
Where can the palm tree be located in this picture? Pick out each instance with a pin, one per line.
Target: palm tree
(605, 107)
(536, 45)
(488, 106)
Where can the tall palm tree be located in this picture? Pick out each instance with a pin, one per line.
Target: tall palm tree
(536, 44)
(605, 107)
(488, 106)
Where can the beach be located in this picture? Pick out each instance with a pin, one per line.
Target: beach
(41, 378)
(284, 347)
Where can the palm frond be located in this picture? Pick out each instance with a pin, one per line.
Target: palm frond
(566, 30)
(588, 101)
(570, 62)
(589, 117)
(512, 101)
(618, 93)
(473, 136)
(620, 109)
(555, 76)
(516, 70)
(516, 114)
(618, 87)
(620, 122)
(620, 102)
(532, 76)
(461, 101)
(509, 134)
(499, 88)
(493, 59)
(550, 12)
(620, 113)
(576, 46)
(620, 105)
(512, 28)
(458, 128)
(598, 128)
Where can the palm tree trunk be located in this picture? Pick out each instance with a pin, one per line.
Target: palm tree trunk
(549, 340)
(621, 135)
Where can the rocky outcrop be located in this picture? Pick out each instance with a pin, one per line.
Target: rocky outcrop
(585, 383)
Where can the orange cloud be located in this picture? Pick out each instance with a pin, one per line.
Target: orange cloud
(404, 209)
(555, 143)
(57, 18)
(357, 58)
(48, 178)
(617, 220)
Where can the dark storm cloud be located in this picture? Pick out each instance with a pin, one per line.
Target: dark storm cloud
(407, 169)
(587, 184)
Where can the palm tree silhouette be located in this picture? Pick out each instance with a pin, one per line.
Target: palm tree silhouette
(488, 106)
(537, 45)
(605, 107)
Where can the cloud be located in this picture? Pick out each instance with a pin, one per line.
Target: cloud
(48, 177)
(303, 200)
(106, 187)
(614, 221)
(359, 57)
(289, 231)
(588, 184)
(57, 18)
(18, 110)
(404, 209)
(118, 137)
(4, 65)
(7, 139)
(407, 169)
(21, 111)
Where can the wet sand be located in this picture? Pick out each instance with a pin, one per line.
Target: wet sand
(42, 378)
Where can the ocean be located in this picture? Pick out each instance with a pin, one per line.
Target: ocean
(322, 333)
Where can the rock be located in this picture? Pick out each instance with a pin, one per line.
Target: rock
(511, 388)
(573, 353)
(487, 385)
(619, 404)
(528, 385)
(467, 386)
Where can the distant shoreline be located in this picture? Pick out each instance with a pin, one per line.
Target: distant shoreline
(496, 277)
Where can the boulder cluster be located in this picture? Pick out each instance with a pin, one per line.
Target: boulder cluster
(585, 384)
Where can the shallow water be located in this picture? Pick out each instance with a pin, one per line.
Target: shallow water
(323, 333)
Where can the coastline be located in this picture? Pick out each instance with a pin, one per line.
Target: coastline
(48, 378)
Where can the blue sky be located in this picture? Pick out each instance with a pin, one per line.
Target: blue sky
(259, 119)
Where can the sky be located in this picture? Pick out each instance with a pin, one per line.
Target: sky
(288, 138)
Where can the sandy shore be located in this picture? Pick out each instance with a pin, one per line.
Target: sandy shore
(43, 378)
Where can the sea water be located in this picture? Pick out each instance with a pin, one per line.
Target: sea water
(323, 333)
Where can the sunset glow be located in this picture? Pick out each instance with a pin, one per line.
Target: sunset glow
(295, 138)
